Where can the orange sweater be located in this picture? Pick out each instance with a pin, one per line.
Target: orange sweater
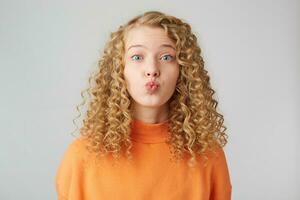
(151, 175)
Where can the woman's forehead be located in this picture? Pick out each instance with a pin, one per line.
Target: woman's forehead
(146, 37)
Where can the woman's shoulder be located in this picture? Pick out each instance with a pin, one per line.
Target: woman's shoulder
(218, 154)
(77, 154)
(76, 149)
(213, 155)
(218, 158)
(76, 145)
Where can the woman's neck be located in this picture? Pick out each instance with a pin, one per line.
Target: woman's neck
(151, 115)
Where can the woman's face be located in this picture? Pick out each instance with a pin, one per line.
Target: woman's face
(150, 55)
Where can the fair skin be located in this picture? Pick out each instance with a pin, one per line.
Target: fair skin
(150, 55)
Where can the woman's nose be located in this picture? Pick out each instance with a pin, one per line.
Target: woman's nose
(152, 70)
(152, 74)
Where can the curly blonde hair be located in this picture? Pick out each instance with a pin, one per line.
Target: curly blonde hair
(194, 123)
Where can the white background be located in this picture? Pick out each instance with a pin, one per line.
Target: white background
(251, 51)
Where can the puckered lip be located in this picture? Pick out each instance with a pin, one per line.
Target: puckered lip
(152, 83)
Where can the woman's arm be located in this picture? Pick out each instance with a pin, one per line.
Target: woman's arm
(69, 174)
(221, 183)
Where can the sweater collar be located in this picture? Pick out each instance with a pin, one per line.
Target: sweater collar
(143, 132)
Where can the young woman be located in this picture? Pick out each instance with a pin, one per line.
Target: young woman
(152, 130)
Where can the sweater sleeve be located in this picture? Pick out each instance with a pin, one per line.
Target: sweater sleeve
(221, 183)
(69, 174)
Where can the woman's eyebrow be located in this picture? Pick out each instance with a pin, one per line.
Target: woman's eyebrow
(163, 45)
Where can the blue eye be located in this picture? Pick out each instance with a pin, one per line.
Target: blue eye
(165, 56)
(169, 56)
(134, 56)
